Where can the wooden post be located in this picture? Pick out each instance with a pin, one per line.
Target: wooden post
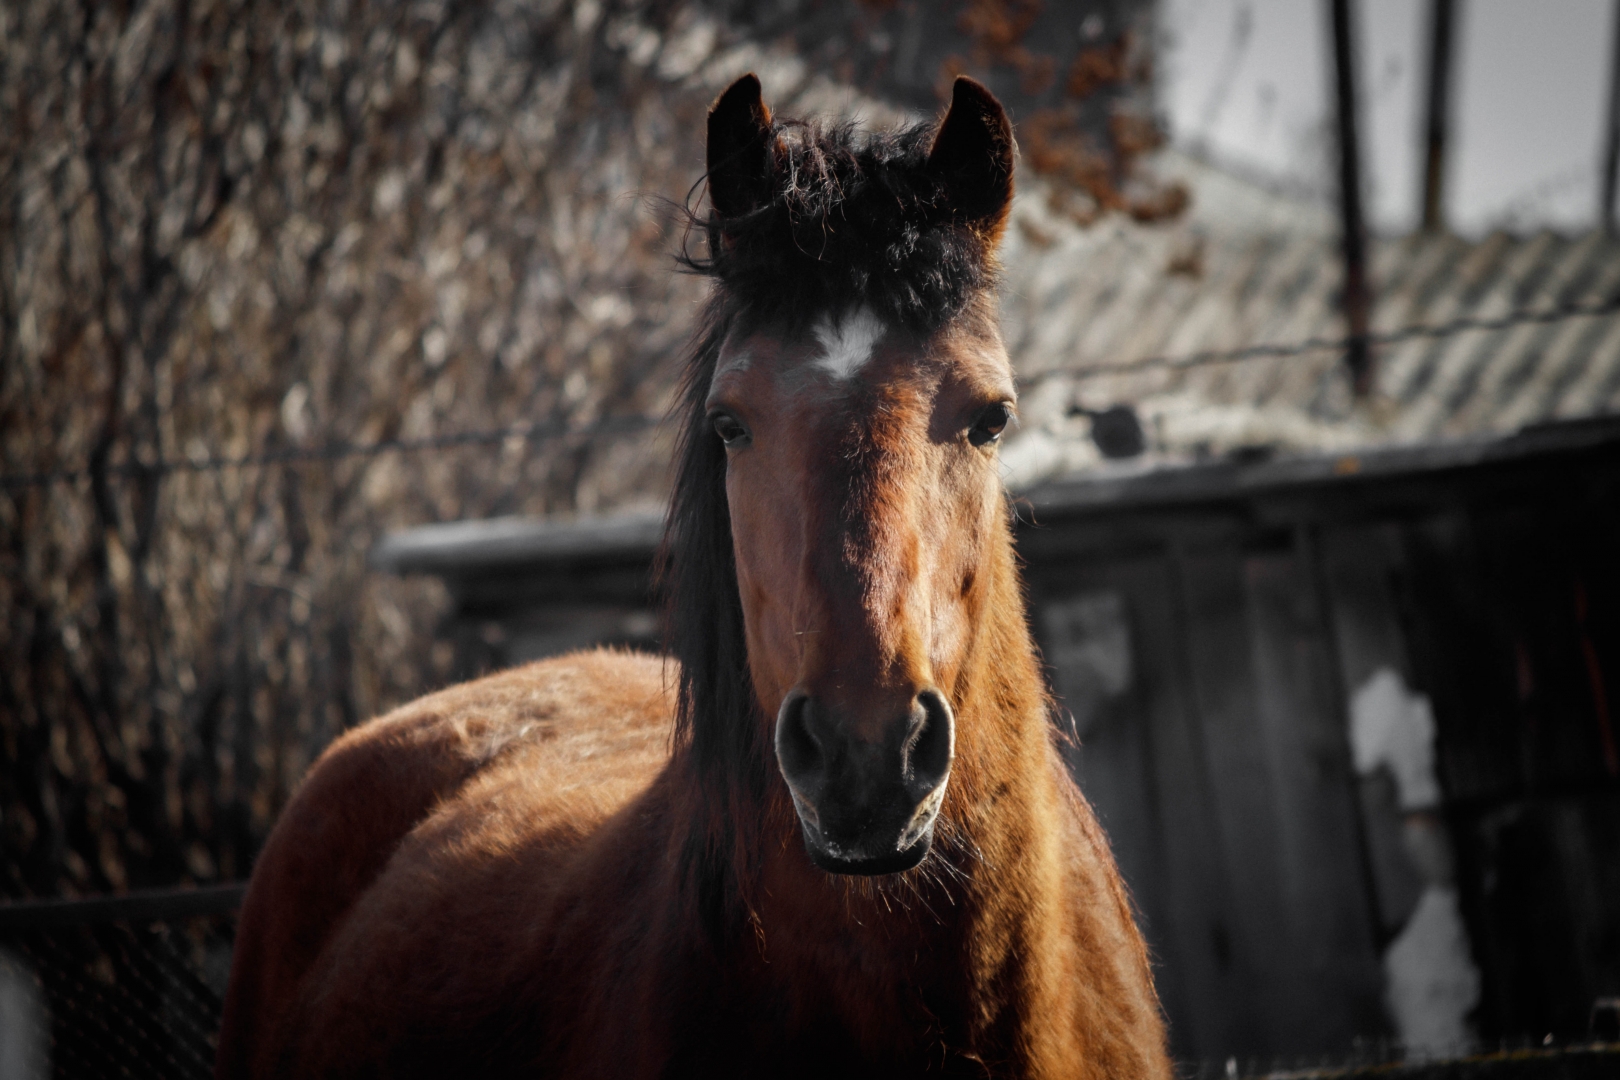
(1442, 31)
(1611, 150)
(1357, 295)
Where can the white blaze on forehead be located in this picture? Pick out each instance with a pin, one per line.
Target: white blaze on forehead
(847, 343)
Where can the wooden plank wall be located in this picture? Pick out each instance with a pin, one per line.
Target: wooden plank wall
(1361, 566)
(1221, 773)
(1208, 651)
(1513, 613)
(1269, 877)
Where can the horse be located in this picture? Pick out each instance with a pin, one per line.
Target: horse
(831, 833)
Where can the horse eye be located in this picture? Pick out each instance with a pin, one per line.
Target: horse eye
(730, 429)
(991, 422)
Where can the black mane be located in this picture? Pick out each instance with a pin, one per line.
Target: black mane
(717, 719)
(854, 218)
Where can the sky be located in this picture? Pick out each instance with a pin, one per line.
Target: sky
(1248, 83)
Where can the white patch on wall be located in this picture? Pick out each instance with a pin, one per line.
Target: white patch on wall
(847, 343)
(1088, 644)
(1394, 727)
(1430, 980)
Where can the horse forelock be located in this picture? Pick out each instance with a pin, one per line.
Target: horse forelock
(855, 219)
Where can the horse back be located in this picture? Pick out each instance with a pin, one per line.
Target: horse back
(588, 721)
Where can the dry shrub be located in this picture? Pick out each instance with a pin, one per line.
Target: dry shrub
(234, 227)
(1092, 176)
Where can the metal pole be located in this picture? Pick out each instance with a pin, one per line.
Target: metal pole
(1442, 30)
(1357, 295)
(1611, 149)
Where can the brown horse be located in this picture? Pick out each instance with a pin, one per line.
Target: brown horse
(837, 839)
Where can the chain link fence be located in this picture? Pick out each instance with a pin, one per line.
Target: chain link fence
(133, 987)
(123, 987)
(1385, 1060)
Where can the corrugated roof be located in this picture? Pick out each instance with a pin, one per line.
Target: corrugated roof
(1246, 267)
(1250, 268)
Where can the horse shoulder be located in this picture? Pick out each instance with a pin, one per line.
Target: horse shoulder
(497, 926)
(589, 726)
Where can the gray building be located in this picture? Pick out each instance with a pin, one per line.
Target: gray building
(1340, 674)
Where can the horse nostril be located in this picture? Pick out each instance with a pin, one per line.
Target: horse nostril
(798, 751)
(932, 743)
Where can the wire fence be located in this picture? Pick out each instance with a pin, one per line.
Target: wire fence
(130, 986)
(133, 986)
(1338, 344)
(1382, 1059)
(543, 430)
(622, 425)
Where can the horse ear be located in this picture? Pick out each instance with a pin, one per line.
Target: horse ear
(739, 155)
(973, 155)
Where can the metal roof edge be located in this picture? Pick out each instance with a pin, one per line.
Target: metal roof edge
(1228, 479)
(458, 548)
(140, 905)
(467, 548)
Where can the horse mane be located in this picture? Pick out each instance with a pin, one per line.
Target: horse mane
(703, 617)
(855, 218)
(718, 727)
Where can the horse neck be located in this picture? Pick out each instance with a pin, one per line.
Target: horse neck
(1004, 780)
(1018, 923)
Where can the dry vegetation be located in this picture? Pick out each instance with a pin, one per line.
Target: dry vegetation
(241, 227)
(1097, 167)
(228, 228)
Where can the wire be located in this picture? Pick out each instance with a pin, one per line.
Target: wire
(1309, 345)
(618, 425)
(541, 431)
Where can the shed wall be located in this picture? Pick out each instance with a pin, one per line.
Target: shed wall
(1207, 646)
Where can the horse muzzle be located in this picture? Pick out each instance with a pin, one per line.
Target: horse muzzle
(866, 805)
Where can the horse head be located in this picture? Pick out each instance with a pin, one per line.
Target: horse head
(855, 668)
(856, 390)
